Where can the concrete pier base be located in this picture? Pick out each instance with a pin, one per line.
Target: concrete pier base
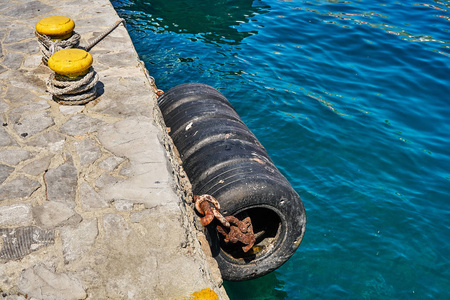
(93, 201)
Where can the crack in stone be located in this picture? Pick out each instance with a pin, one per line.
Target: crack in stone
(46, 187)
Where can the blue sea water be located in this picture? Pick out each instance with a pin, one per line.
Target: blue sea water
(351, 99)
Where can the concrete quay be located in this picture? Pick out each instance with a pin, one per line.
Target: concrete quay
(93, 201)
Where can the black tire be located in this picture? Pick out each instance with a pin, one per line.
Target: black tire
(223, 158)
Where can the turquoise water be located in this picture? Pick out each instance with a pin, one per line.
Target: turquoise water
(352, 101)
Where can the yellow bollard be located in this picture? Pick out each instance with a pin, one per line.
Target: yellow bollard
(75, 80)
(205, 294)
(56, 33)
(70, 63)
(56, 27)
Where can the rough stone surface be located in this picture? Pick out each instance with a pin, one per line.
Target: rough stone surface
(43, 283)
(19, 95)
(117, 230)
(122, 59)
(17, 214)
(19, 34)
(14, 156)
(68, 110)
(136, 104)
(28, 47)
(90, 199)
(20, 241)
(50, 140)
(28, 9)
(5, 138)
(62, 183)
(32, 107)
(110, 163)
(20, 187)
(149, 180)
(53, 214)
(79, 240)
(135, 138)
(124, 239)
(79, 125)
(88, 151)
(32, 61)
(106, 180)
(32, 124)
(92, 205)
(5, 171)
(13, 60)
(14, 297)
(38, 166)
(123, 205)
(3, 105)
(31, 81)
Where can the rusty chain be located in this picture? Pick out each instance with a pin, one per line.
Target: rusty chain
(209, 207)
(233, 229)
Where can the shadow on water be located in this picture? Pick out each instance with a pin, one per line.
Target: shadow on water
(213, 21)
(264, 288)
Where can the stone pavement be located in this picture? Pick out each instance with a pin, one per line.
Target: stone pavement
(93, 202)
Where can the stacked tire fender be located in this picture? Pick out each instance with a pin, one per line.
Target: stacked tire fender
(223, 158)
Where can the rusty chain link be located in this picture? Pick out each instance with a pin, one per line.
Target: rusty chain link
(233, 229)
(209, 207)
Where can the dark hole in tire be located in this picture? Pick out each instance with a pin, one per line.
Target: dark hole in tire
(266, 227)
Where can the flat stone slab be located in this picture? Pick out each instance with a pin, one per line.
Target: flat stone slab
(5, 171)
(62, 183)
(17, 214)
(88, 151)
(78, 240)
(53, 214)
(14, 156)
(32, 124)
(79, 125)
(92, 205)
(20, 187)
(38, 166)
(90, 199)
(43, 283)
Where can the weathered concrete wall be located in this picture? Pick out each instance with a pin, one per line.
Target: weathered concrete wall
(93, 201)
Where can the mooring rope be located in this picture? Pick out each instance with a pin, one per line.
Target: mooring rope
(74, 92)
(103, 34)
(49, 47)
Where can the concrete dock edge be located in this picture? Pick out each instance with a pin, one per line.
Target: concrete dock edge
(94, 202)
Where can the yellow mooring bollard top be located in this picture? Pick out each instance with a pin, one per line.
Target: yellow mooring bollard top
(70, 62)
(56, 27)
